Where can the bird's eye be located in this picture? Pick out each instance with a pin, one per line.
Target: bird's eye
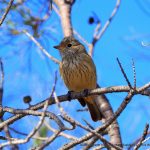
(69, 45)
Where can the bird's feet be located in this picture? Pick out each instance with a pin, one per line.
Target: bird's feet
(86, 92)
(69, 95)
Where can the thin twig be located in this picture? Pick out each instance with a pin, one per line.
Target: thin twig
(46, 16)
(138, 145)
(5, 138)
(63, 113)
(109, 20)
(134, 73)
(96, 30)
(56, 10)
(6, 12)
(88, 124)
(124, 74)
(137, 140)
(146, 86)
(89, 144)
(40, 47)
(146, 139)
(81, 38)
(82, 110)
(50, 140)
(102, 31)
(25, 134)
(123, 105)
(1, 81)
(70, 137)
(100, 147)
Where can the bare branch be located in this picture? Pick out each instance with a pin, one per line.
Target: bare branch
(56, 10)
(123, 105)
(41, 48)
(50, 140)
(99, 147)
(5, 138)
(72, 121)
(106, 143)
(46, 16)
(110, 19)
(102, 31)
(90, 143)
(6, 128)
(148, 138)
(1, 81)
(21, 141)
(65, 11)
(6, 12)
(124, 74)
(88, 124)
(81, 38)
(103, 127)
(69, 119)
(137, 140)
(70, 137)
(31, 134)
(82, 109)
(91, 46)
(75, 95)
(25, 134)
(138, 145)
(146, 86)
(109, 122)
(34, 113)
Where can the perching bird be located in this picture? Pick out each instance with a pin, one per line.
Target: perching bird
(78, 72)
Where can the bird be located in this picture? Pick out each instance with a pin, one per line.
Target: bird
(78, 72)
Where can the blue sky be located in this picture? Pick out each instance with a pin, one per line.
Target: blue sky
(29, 72)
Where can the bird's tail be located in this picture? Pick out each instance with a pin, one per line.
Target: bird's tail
(93, 108)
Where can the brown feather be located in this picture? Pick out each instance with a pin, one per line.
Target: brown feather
(93, 108)
(78, 72)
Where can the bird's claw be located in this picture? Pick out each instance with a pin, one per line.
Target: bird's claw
(86, 92)
(69, 95)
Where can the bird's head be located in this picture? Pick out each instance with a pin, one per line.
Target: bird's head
(69, 45)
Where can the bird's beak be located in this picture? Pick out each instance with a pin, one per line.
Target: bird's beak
(57, 47)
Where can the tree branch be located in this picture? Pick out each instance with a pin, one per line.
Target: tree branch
(22, 141)
(98, 34)
(6, 12)
(6, 128)
(76, 95)
(137, 146)
(67, 118)
(109, 122)
(41, 48)
(65, 11)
